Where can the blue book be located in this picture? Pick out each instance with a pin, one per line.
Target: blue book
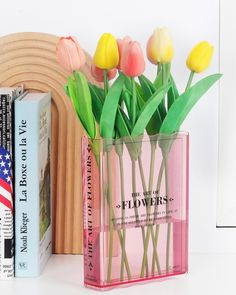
(33, 230)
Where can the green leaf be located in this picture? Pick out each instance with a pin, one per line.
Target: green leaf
(83, 102)
(173, 93)
(122, 123)
(174, 87)
(127, 100)
(128, 92)
(99, 91)
(140, 101)
(66, 89)
(123, 126)
(97, 102)
(162, 106)
(148, 89)
(72, 93)
(158, 81)
(148, 110)
(154, 124)
(185, 102)
(139, 89)
(74, 99)
(108, 116)
(127, 84)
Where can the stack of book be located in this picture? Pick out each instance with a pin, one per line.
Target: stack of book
(25, 198)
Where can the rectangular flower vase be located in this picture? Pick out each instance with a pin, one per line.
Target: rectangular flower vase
(135, 200)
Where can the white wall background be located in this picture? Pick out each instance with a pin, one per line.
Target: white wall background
(227, 118)
(190, 22)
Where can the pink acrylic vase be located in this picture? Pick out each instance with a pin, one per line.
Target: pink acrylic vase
(135, 198)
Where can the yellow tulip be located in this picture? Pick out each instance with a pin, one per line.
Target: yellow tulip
(106, 56)
(160, 46)
(200, 57)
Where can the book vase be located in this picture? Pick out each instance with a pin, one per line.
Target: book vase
(135, 200)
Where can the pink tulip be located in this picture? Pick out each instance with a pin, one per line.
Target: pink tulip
(98, 73)
(121, 45)
(132, 60)
(69, 54)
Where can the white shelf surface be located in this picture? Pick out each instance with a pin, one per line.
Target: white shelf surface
(63, 275)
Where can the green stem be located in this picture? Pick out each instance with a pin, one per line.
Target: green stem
(133, 102)
(163, 75)
(167, 209)
(109, 201)
(136, 209)
(151, 170)
(106, 84)
(110, 216)
(154, 243)
(150, 230)
(190, 80)
(123, 217)
(150, 188)
(144, 261)
(163, 82)
(134, 190)
(155, 247)
(120, 239)
(158, 188)
(156, 211)
(158, 68)
(162, 106)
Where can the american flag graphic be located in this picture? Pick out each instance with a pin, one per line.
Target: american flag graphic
(5, 179)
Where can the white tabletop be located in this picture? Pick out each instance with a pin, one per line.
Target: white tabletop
(209, 274)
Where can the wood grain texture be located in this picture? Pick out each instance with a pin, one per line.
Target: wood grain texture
(29, 59)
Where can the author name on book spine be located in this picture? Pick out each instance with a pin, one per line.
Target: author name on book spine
(23, 197)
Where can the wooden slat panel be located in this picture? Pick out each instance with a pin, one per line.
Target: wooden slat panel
(29, 59)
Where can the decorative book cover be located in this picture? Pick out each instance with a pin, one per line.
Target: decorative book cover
(7, 96)
(33, 230)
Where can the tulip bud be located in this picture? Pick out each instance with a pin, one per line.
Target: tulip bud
(200, 57)
(69, 54)
(132, 60)
(160, 46)
(121, 45)
(106, 56)
(98, 74)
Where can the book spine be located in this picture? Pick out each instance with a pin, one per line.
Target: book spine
(90, 191)
(26, 189)
(45, 181)
(6, 194)
(1, 114)
(5, 117)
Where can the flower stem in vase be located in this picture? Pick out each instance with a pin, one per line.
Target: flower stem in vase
(150, 188)
(150, 229)
(109, 193)
(156, 211)
(144, 260)
(167, 209)
(120, 239)
(136, 209)
(123, 217)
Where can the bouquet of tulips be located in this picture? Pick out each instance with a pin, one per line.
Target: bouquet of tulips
(131, 106)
